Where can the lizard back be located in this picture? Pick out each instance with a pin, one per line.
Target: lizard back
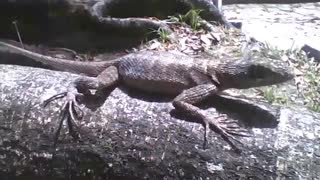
(158, 72)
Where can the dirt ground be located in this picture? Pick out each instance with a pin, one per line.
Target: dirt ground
(281, 25)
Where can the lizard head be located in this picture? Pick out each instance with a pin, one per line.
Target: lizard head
(254, 72)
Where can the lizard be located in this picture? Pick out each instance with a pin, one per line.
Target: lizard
(189, 79)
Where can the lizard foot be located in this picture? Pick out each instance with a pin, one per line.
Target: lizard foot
(71, 104)
(70, 111)
(228, 129)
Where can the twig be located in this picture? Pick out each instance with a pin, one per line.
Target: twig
(17, 30)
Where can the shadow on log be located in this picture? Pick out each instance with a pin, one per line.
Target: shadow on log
(131, 138)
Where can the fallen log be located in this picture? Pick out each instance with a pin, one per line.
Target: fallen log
(129, 135)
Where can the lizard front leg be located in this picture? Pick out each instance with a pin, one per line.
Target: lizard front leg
(184, 102)
(71, 109)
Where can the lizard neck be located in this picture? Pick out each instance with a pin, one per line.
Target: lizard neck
(224, 73)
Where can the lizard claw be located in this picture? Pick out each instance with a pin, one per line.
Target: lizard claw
(53, 98)
(71, 104)
(227, 129)
(232, 127)
(70, 111)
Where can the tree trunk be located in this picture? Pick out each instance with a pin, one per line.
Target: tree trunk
(94, 25)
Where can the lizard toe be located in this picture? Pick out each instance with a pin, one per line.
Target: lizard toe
(70, 111)
(232, 127)
(53, 98)
(73, 106)
(227, 133)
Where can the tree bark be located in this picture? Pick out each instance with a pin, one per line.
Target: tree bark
(91, 25)
(131, 135)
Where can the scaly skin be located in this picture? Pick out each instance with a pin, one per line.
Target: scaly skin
(190, 80)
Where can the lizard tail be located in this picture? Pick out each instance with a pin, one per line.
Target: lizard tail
(88, 68)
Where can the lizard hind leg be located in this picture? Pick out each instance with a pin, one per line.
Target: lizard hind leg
(226, 129)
